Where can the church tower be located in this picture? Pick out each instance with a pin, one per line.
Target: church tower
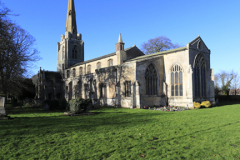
(71, 47)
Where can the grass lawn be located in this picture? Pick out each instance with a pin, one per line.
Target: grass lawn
(118, 133)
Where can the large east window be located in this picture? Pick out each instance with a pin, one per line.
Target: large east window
(176, 81)
(200, 76)
(151, 80)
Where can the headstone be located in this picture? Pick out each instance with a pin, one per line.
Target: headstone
(3, 114)
(2, 108)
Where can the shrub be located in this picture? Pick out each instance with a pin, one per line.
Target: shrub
(196, 105)
(206, 104)
(79, 105)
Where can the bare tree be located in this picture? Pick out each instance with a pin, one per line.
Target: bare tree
(158, 44)
(216, 84)
(235, 81)
(17, 54)
(225, 78)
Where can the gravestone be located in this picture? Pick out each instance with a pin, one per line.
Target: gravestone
(2, 108)
(3, 113)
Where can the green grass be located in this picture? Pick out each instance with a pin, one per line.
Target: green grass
(118, 133)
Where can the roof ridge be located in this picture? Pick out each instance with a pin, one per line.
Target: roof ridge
(158, 53)
(104, 56)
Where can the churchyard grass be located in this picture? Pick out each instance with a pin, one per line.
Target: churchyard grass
(118, 133)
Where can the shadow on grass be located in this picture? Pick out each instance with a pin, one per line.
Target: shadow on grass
(66, 124)
(29, 110)
(224, 103)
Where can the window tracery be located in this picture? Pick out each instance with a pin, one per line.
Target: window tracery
(200, 76)
(151, 80)
(176, 81)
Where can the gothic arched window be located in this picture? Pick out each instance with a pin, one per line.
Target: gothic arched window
(151, 80)
(88, 69)
(200, 76)
(78, 89)
(98, 65)
(74, 72)
(176, 81)
(74, 52)
(80, 71)
(110, 62)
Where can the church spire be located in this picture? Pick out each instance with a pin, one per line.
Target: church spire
(71, 25)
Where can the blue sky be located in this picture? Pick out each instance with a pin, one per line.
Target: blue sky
(101, 21)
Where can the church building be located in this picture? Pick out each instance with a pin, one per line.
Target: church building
(127, 77)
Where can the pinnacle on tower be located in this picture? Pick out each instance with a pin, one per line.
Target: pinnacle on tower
(120, 38)
(71, 25)
(120, 44)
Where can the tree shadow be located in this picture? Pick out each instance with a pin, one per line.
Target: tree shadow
(67, 124)
(224, 103)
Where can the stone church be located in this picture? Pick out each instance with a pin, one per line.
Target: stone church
(127, 77)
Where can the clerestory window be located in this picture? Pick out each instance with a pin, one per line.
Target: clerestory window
(80, 71)
(110, 62)
(98, 65)
(88, 69)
